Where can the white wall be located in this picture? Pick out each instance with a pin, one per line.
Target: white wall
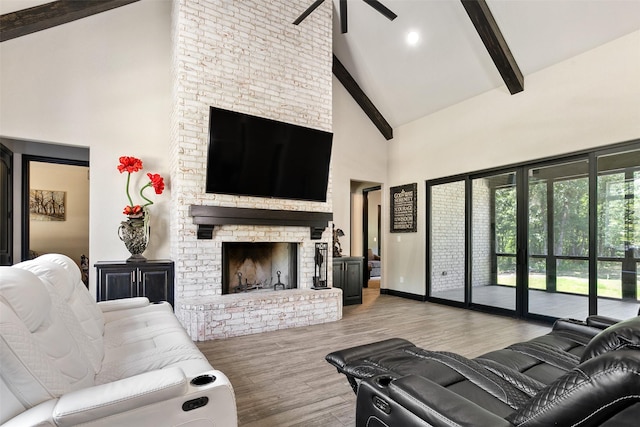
(359, 154)
(101, 82)
(587, 101)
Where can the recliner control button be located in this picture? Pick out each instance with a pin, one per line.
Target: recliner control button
(382, 405)
(190, 405)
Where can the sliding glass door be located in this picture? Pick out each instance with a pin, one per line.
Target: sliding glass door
(448, 241)
(549, 239)
(558, 239)
(618, 233)
(494, 240)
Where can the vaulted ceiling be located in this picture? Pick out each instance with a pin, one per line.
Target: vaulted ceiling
(449, 61)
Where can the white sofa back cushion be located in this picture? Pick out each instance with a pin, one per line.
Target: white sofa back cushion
(57, 281)
(81, 301)
(40, 359)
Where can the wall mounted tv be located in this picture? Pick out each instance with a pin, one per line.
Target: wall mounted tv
(254, 156)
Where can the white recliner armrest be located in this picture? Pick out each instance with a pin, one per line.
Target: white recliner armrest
(38, 416)
(123, 304)
(90, 404)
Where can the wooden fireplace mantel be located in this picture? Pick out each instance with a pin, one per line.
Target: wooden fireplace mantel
(207, 217)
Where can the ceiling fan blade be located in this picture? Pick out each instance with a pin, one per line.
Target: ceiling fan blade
(382, 9)
(343, 16)
(307, 12)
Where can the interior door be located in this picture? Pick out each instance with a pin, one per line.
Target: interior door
(371, 230)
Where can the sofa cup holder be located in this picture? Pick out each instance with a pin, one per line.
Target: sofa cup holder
(202, 380)
(383, 381)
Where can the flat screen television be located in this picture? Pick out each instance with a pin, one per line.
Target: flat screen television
(254, 156)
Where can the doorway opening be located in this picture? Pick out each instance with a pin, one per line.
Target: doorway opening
(371, 236)
(55, 207)
(54, 203)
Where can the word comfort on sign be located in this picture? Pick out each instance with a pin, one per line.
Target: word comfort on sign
(404, 208)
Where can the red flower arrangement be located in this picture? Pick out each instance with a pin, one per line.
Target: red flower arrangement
(131, 165)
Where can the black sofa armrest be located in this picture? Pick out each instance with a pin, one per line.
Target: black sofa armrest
(577, 328)
(341, 358)
(414, 401)
(601, 322)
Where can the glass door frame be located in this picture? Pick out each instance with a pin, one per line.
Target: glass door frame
(428, 254)
(524, 232)
(494, 254)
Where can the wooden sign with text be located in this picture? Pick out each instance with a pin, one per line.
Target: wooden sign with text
(404, 208)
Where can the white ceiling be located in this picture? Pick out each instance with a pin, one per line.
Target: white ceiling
(450, 64)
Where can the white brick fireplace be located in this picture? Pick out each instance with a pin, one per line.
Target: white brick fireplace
(244, 56)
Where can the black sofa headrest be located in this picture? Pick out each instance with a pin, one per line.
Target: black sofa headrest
(625, 334)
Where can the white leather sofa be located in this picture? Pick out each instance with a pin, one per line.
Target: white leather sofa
(66, 360)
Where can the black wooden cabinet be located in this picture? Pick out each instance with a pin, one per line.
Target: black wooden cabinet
(120, 279)
(347, 275)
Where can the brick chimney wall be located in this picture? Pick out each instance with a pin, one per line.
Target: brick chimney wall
(245, 56)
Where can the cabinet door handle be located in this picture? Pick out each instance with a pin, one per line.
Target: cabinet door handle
(133, 277)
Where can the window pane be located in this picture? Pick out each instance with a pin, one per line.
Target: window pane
(571, 217)
(537, 273)
(505, 209)
(610, 279)
(507, 270)
(573, 276)
(448, 241)
(538, 217)
(611, 215)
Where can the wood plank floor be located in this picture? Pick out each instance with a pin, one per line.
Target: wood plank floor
(281, 378)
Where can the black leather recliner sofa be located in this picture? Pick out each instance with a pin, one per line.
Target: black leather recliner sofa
(579, 374)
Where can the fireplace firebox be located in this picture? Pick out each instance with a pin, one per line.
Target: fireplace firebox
(259, 266)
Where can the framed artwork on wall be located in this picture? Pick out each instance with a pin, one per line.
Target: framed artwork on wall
(404, 208)
(47, 205)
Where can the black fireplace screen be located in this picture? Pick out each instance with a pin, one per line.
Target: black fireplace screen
(249, 266)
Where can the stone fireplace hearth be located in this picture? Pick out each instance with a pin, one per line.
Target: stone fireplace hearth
(251, 236)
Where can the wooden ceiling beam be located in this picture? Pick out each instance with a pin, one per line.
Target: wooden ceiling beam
(361, 98)
(494, 41)
(38, 18)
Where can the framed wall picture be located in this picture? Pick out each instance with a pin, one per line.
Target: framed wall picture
(404, 208)
(47, 205)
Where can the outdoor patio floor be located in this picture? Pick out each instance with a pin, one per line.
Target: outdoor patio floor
(545, 303)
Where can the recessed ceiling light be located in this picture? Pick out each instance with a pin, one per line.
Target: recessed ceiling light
(412, 38)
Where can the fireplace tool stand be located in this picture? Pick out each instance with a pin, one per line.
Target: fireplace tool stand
(279, 283)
